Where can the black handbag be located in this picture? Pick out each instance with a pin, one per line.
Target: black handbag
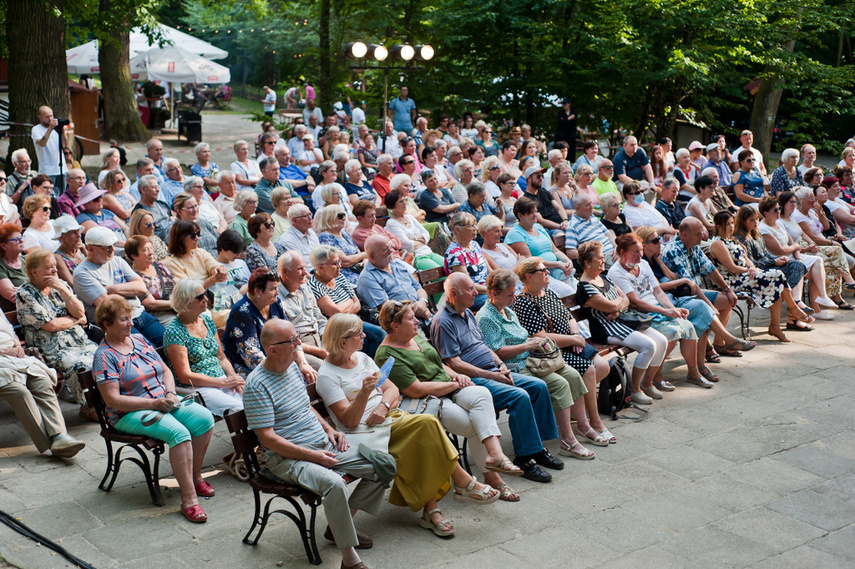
(681, 291)
(638, 321)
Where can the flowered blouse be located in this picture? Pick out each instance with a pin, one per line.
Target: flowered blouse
(35, 309)
(256, 257)
(241, 342)
(472, 259)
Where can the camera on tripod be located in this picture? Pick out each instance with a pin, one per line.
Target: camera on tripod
(62, 122)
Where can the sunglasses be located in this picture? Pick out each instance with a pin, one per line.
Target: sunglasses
(45, 208)
(196, 235)
(654, 241)
(341, 216)
(269, 224)
(16, 239)
(149, 225)
(607, 167)
(201, 297)
(634, 193)
(544, 271)
(3, 180)
(408, 162)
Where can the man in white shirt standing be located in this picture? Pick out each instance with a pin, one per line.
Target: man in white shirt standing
(269, 101)
(747, 138)
(46, 137)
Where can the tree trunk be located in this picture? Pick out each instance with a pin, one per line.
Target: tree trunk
(325, 67)
(765, 110)
(120, 105)
(36, 39)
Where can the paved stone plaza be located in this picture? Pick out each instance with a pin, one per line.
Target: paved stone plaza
(757, 472)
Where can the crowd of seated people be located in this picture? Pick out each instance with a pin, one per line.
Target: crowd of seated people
(237, 286)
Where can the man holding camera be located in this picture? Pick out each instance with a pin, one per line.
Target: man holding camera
(46, 137)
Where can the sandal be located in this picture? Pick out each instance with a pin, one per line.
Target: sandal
(504, 466)
(711, 357)
(484, 495)
(779, 334)
(843, 305)
(707, 374)
(506, 494)
(195, 514)
(805, 308)
(204, 489)
(597, 439)
(608, 436)
(798, 326)
(565, 449)
(442, 528)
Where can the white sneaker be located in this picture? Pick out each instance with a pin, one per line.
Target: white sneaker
(640, 398)
(825, 301)
(823, 315)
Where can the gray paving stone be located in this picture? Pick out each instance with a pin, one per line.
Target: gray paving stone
(737, 446)
(774, 475)
(653, 556)
(814, 508)
(721, 490)
(58, 520)
(689, 462)
(804, 556)
(839, 543)
(817, 458)
(768, 527)
(550, 549)
(620, 530)
(114, 540)
(676, 511)
(713, 547)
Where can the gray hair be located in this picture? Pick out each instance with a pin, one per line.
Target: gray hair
(325, 218)
(668, 182)
(459, 219)
(296, 210)
(201, 146)
(286, 260)
(225, 174)
(580, 198)
(168, 161)
(267, 161)
(324, 166)
(184, 292)
(553, 154)
(151, 142)
(147, 181)
(458, 168)
(281, 149)
(802, 192)
(476, 188)
(330, 190)
(682, 152)
(489, 223)
(580, 171)
(607, 198)
(191, 181)
(789, 153)
(341, 155)
(18, 154)
(501, 280)
(239, 143)
(709, 171)
(242, 197)
(384, 159)
(143, 162)
(350, 165)
(397, 180)
(322, 254)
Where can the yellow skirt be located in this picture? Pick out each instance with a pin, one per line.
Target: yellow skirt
(425, 459)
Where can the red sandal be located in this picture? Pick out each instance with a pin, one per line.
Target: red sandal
(204, 489)
(195, 514)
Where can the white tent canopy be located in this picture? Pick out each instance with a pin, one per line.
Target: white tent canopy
(84, 58)
(173, 64)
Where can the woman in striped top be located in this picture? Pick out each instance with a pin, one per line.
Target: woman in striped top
(605, 302)
(334, 293)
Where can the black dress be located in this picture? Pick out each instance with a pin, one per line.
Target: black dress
(619, 228)
(793, 270)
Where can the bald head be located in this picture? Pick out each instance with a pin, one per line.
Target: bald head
(379, 250)
(276, 330)
(691, 232)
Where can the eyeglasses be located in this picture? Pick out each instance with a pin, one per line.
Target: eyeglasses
(494, 167)
(190, 207)
(270, 142)
(201, 297)
(295, 339)
(303, 215)
(359, 334)
(407, 162)
(337, 216)
(16, 239)
(148, 225)
(634, 193)
(196, 235)
(749, 160)
(777, 210)
(335, 264)
(253, 202)
(607, 167)
(544, 271)
(654, 241)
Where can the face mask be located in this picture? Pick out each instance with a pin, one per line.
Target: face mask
(630, 265)
(638, 199)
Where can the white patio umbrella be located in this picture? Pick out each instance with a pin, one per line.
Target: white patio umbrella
(84, 58)
(173, 64)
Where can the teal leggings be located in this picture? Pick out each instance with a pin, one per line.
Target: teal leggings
(173, 428)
